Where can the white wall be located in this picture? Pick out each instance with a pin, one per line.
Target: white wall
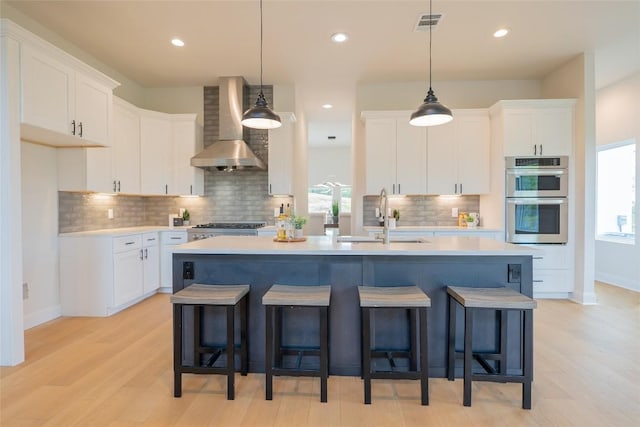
(175, 100)
(40, 233)
(329, 163)
(617, 119)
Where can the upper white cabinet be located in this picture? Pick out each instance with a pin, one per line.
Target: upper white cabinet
(281, 142)
(125, 166)
(186, 141)
(395, 153)
(536, 127)
(64, 102)
(458, 154)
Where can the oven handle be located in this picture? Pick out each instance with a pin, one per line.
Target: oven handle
(535, 172)
(537, 201)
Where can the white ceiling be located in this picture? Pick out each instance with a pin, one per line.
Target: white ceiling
(222, 39)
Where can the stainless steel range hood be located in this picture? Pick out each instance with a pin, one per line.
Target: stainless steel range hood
(230, 151)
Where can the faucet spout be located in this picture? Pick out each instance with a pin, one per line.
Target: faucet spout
(385, 214)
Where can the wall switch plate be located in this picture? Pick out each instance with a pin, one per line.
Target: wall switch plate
(454, 212)
(110, 213)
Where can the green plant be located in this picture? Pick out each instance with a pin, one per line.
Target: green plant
(335, 209)
(469, 218)
(299, 221)
(186, 215)
(396, 214)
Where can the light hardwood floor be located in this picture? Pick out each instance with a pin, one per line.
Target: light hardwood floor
(117, 371)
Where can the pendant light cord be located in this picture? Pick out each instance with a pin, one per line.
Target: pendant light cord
(430, 37)
(260, 46)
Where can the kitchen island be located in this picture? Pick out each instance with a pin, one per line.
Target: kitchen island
(431, 265)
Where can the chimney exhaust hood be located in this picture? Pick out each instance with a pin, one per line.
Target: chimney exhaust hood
(230, 151)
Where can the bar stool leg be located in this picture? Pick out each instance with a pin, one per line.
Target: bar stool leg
(424, 357)
(231, 358)
(527, 358)
(504, 318)
(244, 350)
(414, 345)
(468, 354)
(451, 365)
(324, 352)
(269, 353)
(366, 353)
(177, 350)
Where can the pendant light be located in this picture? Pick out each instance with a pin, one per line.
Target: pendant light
(261, 116)
(431, 112)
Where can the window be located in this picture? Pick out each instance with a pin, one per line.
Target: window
(321, 198)
(616, 191)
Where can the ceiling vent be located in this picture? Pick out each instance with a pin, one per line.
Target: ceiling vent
(425, 21)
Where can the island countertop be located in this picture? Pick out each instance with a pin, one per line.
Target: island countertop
(327, 245)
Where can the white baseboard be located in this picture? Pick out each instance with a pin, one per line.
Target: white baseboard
(621, 282)
(42, 316)
(162, 290)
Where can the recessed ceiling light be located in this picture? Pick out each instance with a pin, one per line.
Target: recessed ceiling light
(177, 42)
(327, 106)
(501, 33)
(339, 37)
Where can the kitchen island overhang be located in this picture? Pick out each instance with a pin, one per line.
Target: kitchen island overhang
(432, 265)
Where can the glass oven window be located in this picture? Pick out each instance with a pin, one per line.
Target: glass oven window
(538, 183)
(537, 219)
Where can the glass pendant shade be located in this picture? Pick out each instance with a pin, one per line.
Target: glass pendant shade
(431, 112)
(261, 116)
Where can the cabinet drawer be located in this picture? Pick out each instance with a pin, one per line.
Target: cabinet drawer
(150, 239)
(551, 281)
(127, 243)
(551, 256)
(174, 237)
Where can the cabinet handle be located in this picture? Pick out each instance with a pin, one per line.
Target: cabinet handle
(73, 129)
(270, 189)
(166, 189)
(538, 281)
(176, 238)
(394, 189)
(399, 191)
(118, 186)
(129, 243)
(114, 185)
(538, 257)
(541, 149)
(191, 190)
(535, 149)
(455, 188)
(146, 253)
(153, 239)
(460, 188)
(141, 254)
(80, 126)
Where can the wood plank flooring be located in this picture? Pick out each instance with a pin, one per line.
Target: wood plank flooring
(117, 371)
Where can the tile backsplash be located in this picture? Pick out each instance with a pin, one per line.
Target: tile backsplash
(422, 210)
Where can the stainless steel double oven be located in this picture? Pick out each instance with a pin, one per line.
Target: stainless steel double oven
(536, 199)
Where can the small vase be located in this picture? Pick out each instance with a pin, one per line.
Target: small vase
(186, 222)
(298, 233)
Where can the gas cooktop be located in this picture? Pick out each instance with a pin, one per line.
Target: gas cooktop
(232, 225)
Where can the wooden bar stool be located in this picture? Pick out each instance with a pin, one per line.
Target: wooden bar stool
(275, 300)
(501, 300)
(414, 300)
(198, 296)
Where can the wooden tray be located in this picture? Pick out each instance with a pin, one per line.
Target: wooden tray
(296, 239)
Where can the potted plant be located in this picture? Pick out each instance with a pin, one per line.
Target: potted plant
(298, 223)
(471, 221)
(335, 210)
(396, 215)
(186, 216)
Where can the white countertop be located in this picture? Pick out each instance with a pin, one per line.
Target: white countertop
(427, 228)
(327, 245)
(123, 231)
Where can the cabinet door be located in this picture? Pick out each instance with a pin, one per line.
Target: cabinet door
(281, 156)
(187, 179)
(93, 106)
(411, 158)
(380, 148)
(126, 148)
(127, 275)
(519, 133)
(155, 155)
(554, 131)
(47, 91)
(472, 143)
(151, 268)
(442, 166)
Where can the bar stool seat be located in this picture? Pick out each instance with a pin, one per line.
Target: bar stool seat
(275, 300)
(200, 295)
(416, 302)
(501, 300)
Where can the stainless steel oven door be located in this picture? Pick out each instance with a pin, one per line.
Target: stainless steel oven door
(537, 182)
(533, 220)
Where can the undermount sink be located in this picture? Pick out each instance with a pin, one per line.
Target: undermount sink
(368, 239)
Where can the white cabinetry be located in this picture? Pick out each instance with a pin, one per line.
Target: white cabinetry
(102, 274)
(552, 271)
(125, 165)
(396, 153)
(536, 127)
(281, 142)
(186, 141)
(458, 154)
(64, 102)
(169, 239)
(151, 262)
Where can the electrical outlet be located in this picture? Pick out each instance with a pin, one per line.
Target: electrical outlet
(454, 212)
(110, 213)
(25, 290)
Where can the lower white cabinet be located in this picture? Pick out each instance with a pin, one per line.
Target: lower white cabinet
(102, 274)
(169, 239)
(552, 271)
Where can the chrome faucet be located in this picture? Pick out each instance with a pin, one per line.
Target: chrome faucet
(385, 215)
